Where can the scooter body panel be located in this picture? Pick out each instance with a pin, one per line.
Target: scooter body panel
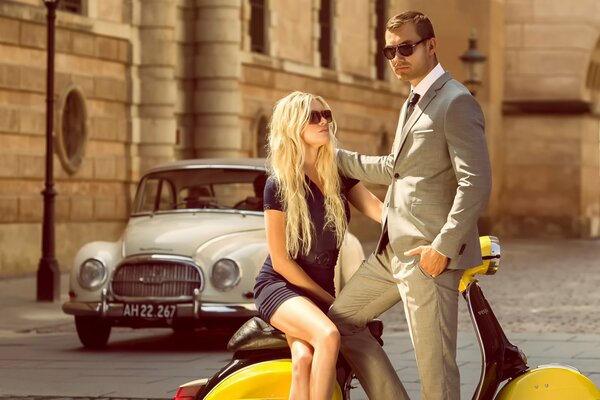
(500, 359)
(263, 380)
(555, 381)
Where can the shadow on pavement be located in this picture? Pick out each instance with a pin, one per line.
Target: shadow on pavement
(165, 341)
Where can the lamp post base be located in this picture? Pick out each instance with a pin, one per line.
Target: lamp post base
(48, 280)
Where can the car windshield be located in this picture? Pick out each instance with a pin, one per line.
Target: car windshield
(200, 188)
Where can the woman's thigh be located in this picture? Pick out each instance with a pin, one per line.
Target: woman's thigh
(300, 318)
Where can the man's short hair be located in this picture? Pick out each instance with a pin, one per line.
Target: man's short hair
(421, 22)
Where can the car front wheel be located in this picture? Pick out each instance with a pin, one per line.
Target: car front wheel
(93, 332)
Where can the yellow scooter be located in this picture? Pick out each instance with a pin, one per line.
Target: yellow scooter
(261, 366)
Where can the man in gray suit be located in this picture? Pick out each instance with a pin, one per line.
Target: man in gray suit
(439, 181)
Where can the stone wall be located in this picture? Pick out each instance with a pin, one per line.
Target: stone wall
(172, 79)
(92, 202)
(550, 142)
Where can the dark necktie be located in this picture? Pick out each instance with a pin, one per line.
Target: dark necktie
(413, 99)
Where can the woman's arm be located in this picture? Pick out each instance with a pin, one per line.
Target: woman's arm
(289, 269)
(365, 202)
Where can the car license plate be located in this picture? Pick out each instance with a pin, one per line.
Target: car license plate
(155, 311)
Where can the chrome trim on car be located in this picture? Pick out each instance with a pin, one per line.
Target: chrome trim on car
(198, 211)
(104, 302)
(197, 299)
(234, 284)
(147, 280)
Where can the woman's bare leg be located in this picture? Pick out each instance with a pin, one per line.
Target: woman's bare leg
(300, 318)
(302, 356)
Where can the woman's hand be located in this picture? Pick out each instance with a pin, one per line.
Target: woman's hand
(283, 265)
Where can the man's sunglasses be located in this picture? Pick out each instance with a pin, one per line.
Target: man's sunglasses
(315, 116)
(405, 50)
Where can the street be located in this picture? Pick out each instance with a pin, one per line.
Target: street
(545, 296)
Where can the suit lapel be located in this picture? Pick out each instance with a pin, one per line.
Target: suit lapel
(420, 107)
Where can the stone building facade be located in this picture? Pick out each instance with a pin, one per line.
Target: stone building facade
(139, 82)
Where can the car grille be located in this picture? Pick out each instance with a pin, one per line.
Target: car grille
(156, 279)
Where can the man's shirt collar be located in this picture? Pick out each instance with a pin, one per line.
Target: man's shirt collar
(429, 79)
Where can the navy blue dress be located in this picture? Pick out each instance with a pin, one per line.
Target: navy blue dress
(272, 289)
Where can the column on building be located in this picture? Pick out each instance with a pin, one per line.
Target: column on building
(217, 69)
(157, 129)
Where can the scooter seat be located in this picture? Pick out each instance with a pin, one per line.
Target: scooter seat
(256, 334)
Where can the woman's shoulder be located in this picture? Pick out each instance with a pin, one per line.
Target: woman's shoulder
(271, 197)
(272, 184)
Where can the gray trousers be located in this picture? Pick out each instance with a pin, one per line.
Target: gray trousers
(431, 308)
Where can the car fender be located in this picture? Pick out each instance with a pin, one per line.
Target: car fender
(247, 249)
(108, 253)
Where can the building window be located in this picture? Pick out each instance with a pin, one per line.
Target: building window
(381, 15)
(72, 6)
(257, 26)
(262, 132)
(72, 132)
(325, 41)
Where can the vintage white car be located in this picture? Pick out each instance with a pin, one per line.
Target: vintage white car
(188, 257)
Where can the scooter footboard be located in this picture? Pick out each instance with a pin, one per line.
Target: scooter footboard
(264, 380)
(553, 381)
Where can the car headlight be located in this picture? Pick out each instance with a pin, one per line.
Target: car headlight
(92, 274)
(225, 274)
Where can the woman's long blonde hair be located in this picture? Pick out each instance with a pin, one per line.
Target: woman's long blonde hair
(286, 160)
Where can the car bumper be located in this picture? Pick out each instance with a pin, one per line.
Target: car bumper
(191, 309)
(186, 310)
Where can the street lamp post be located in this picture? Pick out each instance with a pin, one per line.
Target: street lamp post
(48, 274)
(473, 61)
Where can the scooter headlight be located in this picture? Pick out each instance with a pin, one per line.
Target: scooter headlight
(225, 274)
(92, 274)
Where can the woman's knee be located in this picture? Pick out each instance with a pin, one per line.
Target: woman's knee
(329, 336)
(302, 357)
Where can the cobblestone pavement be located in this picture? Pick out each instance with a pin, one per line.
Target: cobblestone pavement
(545, 295)
(541, 286)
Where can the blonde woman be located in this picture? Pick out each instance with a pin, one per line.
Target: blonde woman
(306, 217)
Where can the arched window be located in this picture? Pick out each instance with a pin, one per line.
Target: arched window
(326, 39)
(257, 26)
(72, 129)
(261, 137)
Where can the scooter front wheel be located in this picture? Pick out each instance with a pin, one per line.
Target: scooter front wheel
(263, 380)
(554, 381)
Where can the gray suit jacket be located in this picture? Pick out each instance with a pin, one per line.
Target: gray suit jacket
(438, 175)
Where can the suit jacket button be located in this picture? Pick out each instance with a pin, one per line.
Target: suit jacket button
(396, 175)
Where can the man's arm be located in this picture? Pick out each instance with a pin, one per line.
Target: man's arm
(464, 130)
(372, 169)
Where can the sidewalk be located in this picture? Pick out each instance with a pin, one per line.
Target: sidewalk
(20, 311)
(545, 296)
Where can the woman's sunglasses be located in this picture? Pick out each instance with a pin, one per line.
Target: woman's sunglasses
(405, 50)
(315, 116)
